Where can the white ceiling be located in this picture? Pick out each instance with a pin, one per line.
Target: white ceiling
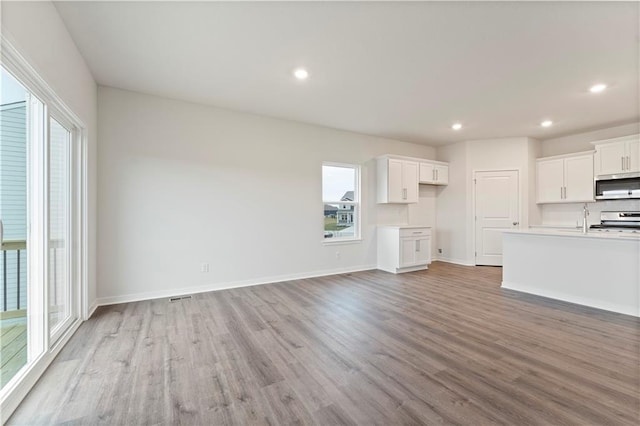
(400, 70)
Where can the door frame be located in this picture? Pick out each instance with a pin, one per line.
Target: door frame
(15, 391)
(473, 203)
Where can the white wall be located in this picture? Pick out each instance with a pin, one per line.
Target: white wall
(182, 184)
(582, 141)
(37, 32)
(569, 214)
(455, 209)
(451, 211)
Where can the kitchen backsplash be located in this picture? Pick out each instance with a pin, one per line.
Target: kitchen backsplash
(571, 214)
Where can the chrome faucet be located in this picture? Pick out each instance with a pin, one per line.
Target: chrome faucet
(585, 214)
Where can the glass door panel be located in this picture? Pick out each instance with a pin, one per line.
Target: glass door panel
(59, 242)
(14, 135)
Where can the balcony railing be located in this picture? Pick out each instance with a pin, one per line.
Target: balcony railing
(13, 276)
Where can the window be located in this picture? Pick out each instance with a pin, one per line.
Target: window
(341, 199)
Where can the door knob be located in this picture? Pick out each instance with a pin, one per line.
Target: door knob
(516, 223)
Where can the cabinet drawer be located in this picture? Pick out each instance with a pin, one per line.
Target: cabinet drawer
(414, 232)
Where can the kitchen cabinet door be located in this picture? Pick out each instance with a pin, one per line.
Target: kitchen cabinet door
(610, 158)
(633, 151)
(415, 251)
(407, 252)
(550, 180)
(395, 186)
(427, 173)
(442, 174)
(578, 179)
(434, 174)
(423, 251)
(410, 181)
(397, 181)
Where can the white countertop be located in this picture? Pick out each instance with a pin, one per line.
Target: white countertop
(404, 226)
(576, 233)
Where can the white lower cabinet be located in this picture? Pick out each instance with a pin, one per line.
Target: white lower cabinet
(403, 248)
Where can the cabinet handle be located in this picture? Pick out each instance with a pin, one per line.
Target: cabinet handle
(436, 175)
(404, 193)
(622, 158)
(561, 193)
(417, 245)
(433, 174)
(629, 163)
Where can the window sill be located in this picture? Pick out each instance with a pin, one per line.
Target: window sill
(339, 241)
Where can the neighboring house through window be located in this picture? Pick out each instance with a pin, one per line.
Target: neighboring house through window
(341, 199)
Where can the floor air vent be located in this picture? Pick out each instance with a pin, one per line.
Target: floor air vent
(175, 299)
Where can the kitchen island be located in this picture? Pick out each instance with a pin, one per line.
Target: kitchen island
(596, 269)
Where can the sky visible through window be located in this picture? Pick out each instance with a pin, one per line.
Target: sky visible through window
(336, 181)
(10, 90)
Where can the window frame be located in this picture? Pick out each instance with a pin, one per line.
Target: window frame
(357, 203)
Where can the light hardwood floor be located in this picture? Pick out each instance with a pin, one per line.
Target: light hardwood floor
(440, 346)
(13, 347)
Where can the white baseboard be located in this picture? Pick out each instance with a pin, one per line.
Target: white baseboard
(598, 304)
(454, 261)
(136, 297)
(91, 310)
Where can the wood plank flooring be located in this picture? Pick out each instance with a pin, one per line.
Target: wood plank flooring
(443, 346)
(13, 347)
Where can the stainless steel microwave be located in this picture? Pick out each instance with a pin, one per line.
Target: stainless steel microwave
(616, 187)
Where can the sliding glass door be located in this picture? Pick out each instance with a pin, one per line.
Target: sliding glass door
(14, 133)
(61, 307)
(40, 214)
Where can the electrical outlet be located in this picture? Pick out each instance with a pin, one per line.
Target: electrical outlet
(337, 255)
(440, 251)
(204, 268)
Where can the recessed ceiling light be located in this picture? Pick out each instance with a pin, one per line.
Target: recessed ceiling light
(546, 123)
(456, 126)
(301, 74)
(597, 88)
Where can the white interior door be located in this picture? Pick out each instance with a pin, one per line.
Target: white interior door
(497, 209)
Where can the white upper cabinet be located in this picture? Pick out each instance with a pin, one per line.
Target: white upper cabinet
(442, 174)
(427, 172)
(619, 155)
(434, 173)
(397, 181)
(550, 180)
(565, 179)
(578, 178)
(633, 148)
(398, 177)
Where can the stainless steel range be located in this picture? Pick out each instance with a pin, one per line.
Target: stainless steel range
(618, 222)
